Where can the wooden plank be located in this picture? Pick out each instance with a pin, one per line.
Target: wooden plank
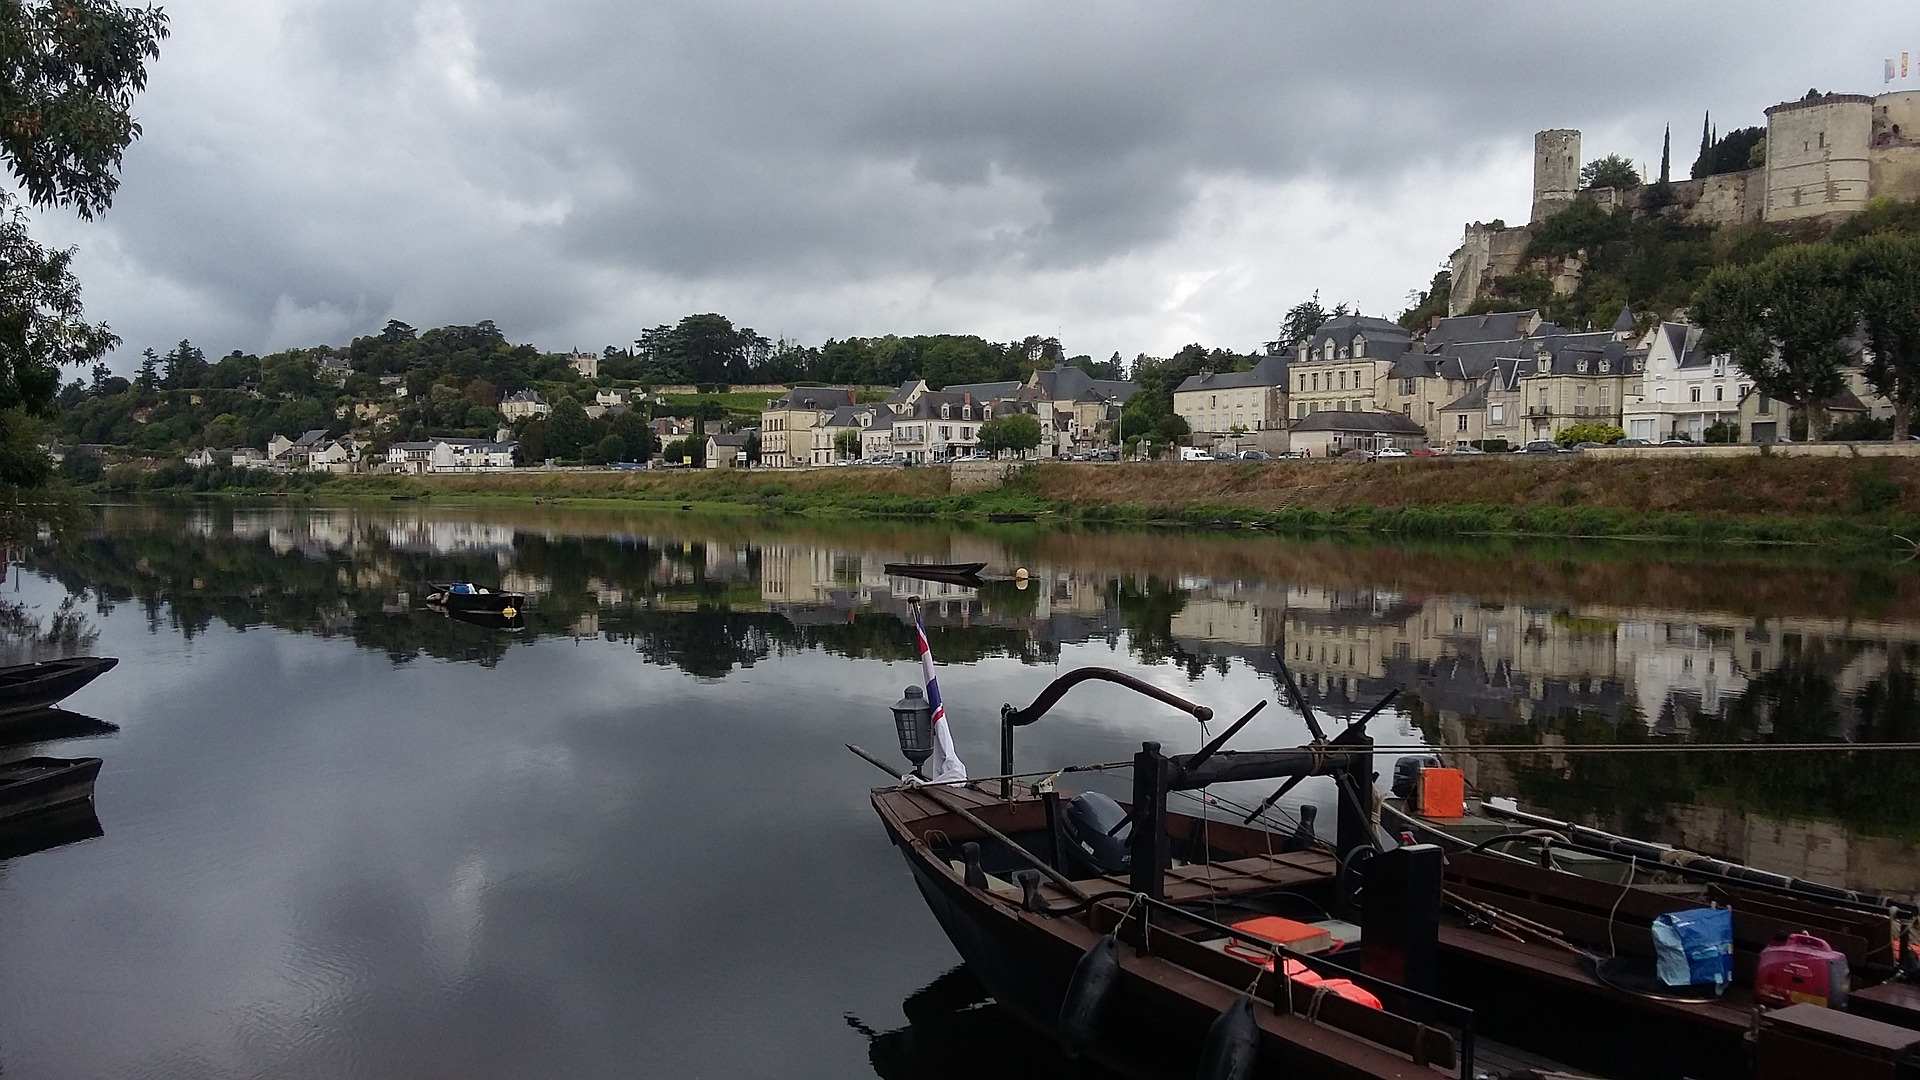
(1895, 1003)
(1492, 871)
(1421, 1043)
(1554, 965)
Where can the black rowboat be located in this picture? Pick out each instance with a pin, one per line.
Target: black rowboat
(506, 604)
(29, 687)
(63, 825)
(37, 784)
(942, 571)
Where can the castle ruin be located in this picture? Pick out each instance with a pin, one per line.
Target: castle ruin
(1827, 155)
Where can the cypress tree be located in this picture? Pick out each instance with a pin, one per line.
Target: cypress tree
(1666, 154)
(1706, 146)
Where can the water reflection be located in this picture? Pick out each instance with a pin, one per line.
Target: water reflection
(367, 828)
(953, 1027)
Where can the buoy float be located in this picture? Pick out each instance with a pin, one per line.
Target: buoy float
(1093, 981)
(1020, 574)
(1233, 1042)
(509, 612)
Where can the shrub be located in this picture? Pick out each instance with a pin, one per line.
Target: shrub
(1874, 491)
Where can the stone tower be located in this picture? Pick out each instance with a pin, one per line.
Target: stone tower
(1556, 171)
(1818, 156)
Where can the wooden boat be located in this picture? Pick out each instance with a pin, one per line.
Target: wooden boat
(38, 784)
(489, 620)
(505, 604)
(59, 827)
(30, 687)
(1456, 948)
(51, 725)
(936, 571)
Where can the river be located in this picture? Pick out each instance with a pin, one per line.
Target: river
(340, 835)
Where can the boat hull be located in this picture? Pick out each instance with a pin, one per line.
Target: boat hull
(38, 785)
(61, 679)
(491, 603)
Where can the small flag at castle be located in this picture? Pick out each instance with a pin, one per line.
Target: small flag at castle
(1903, 63)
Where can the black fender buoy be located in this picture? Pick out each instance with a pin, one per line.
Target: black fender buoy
(1233, 1042)
(1094, 978)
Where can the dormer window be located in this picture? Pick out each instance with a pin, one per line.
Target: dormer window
(1606, 366)
(1639, 364)
(986, 412)
(1303, 352)
(946, 412)
(966, 412)
(1580, 365)
(1327, 352)
(1359, 346)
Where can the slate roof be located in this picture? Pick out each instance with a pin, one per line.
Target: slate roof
(1624, 323)
(1493, 326)
(983, 391)
(849, 415)
(527, 396)
(899, 397)
(1474, 398)
(1385, 423)
(1270, 371)
(314, 437)
(1065, 382)
(1384, 339)
(813, 397)
(736, 441)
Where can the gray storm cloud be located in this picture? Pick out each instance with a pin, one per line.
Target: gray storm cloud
(579, 171)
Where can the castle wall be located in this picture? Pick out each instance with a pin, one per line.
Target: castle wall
(1894, 163)
(1556, 171)
(1484, 253)
(1817, 157)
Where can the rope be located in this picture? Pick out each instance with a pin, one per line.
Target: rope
(1650, 748)
(1612, 949)
(1313, 1007)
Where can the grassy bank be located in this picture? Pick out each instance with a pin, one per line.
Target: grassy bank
(1756, 500)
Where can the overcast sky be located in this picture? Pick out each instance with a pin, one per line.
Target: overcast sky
(1126, 176)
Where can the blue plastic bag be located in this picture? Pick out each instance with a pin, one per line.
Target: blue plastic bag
(1694, 947)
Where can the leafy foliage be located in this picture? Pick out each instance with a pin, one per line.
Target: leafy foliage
(1885, 271)
(1018, 432)
(1611, 171)
(1304, 319)
(1429, 304)
(1592, 431)
(1732, 153)
(1783, 320)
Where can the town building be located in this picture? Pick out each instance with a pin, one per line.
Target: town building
(1684, 390)
(787, 423)
(613, 397)
(1252, 402)
(286, 453)
(331, 368)
(524, 405)
(942, 425)
(1332, 432)
(876, 439)
(727, 451)
(1343, 365)
(448, 454)
(845, 419)
(586, 363)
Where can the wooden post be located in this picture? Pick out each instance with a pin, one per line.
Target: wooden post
(1006, 751)
(1149, 847)
(1355, 821)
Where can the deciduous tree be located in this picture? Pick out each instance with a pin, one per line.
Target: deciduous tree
(1784, 320)
(1018, 432)
(1611, 171)
(1886, 284)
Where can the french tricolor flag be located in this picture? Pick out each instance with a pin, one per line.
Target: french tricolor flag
(946, 763)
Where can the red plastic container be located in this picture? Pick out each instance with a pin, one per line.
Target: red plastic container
(1802, 969)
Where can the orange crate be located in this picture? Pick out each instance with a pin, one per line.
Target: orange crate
(1442, 793)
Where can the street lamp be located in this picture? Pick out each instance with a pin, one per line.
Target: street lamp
(913, 722)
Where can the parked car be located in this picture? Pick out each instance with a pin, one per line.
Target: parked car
(1675, 442)
(1426, 451)
(1579, 446)
(1469, 450)
(1109, 455)
(1390, 452)
(1254, 455)
(1633, 442)
(1542, 446)
(1293, 455)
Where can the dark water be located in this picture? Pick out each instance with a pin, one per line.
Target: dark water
(343, 836)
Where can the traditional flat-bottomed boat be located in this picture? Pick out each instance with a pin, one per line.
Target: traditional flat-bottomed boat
(26, 688)
(37, 785)
(1151, 940)
(476, 600)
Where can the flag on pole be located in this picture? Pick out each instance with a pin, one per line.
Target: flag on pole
(946, 763)
(1903, 63)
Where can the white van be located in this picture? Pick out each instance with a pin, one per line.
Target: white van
(1194, 453)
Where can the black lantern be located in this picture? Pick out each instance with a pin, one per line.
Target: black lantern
(913, 722)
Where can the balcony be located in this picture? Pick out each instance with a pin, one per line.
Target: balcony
(1538, 410)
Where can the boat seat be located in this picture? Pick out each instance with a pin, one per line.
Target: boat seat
(996, 885)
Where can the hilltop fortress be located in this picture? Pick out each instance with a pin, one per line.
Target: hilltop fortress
(1826, 156)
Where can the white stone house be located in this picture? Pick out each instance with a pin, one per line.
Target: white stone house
(586, 363)
(1253, 403)
(612, 397)
(727, 451)
(846, 418)
(876, 439)
(334, 456)
(523, 405)
(941, 425)
(449, 454)
(1684, 390)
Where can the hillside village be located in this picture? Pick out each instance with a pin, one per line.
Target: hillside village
(1571, 328)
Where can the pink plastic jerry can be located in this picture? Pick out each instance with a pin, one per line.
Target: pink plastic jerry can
(1801, 969)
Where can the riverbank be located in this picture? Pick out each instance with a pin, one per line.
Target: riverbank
(1855, 502)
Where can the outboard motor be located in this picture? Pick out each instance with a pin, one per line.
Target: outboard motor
(1090, 817)
(1406, 773)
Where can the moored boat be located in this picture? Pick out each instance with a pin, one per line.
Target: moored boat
(462, 596)
(36, 785)
(29, 687)
(1152, 939)
(936, 571)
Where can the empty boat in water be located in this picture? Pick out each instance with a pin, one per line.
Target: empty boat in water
(27, 688)
(37, 785)
(959, 572)
(474, 599)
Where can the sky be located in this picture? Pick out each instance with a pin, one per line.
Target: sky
(1128, 177)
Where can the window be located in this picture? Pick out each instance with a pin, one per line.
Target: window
(1765, 407)
(946, 433)
(966, 412)
(1606, 366)
(1603, 395)
(1693, 393)
(1406, 387)
(1316, 380)
(1580, 394)
(1461, 425)
(1303, 384)
(1429, 412)
(1343, 380)
(1497, 414)
(1213, 401)
(946, 412)
(1327, 353)
(1359, 345)
(1580, 365)
(1639, 363)
(1719, 392)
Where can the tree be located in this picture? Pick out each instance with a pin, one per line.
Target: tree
(690, 449)
(610, 449)
(1701, 163)
(1591, 431)
(1304, 319)
(635, 436)
(1018, 432)
(68, 74)
(1666, 154)
(186, 366)
(82, 466)
(1784, 321)
(568, 429)
(847, 443)
(1886, 284)
(149, 378)
(1733, 152)
(753, 448)
(1612, 171)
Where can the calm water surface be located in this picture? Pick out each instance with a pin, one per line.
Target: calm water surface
(339, 835)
